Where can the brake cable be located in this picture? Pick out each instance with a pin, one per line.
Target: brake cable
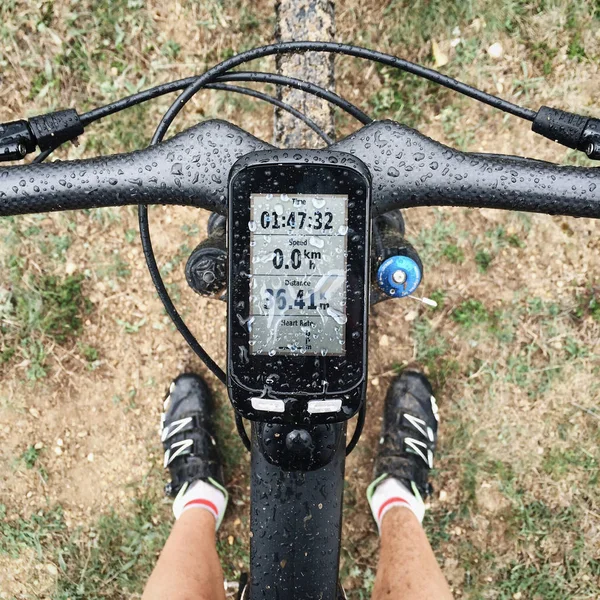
(211, 75)
(192, 85)
(124, 103)
(252, 76)
(149, 254)
(276, 102)
(165, 298)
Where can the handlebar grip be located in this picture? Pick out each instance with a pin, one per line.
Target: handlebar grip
(410, 169)
(190, 169)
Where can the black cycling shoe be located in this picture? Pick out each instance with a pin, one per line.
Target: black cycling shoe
(187, 434)
(409, 433)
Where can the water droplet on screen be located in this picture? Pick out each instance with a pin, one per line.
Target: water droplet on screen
(285, 198)
(252, 225)
(316, 242)
(318, 202)
(278, 208)
(343, 229)
(339, 317)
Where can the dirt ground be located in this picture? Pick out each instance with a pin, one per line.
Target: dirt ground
(513, 349)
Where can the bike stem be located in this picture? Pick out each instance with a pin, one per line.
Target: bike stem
(297, 479)
(296, 515)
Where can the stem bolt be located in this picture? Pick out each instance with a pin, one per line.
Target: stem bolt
(399, 277)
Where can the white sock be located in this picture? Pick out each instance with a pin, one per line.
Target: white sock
(201, 494)
(386, 492)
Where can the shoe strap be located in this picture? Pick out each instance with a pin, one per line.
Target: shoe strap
(188, 422)
(190, 451)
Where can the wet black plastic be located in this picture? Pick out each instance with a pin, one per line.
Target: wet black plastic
(407, 168)
(296, 449)
(561, 126)
(206, 268)
(591, 139)
(297, 379)
(569, 129)
(16, 140)
(52, 129)
(296, 520)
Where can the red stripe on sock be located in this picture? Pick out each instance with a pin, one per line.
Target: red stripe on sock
(201, 502)
(391, 501)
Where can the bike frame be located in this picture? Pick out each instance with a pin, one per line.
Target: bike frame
(296, 515)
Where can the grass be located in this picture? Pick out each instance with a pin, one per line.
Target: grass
(552, 555)
(432, 353)
(37, 311)
(30, 456)
(588, 304)
(33, 532)
(111, 558)
(454, 254)
(233, 452)
(470, 313)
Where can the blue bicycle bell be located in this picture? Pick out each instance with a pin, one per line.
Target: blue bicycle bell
(399, 276)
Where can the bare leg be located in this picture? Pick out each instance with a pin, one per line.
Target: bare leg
(407, 567)
(188, 567)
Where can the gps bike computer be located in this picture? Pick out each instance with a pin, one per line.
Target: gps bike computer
(298, 284)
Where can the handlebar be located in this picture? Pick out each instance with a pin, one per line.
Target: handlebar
(408, 169)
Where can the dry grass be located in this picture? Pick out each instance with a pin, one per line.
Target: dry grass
(513, 350)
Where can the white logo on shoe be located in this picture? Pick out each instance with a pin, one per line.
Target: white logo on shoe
(417, 447)
(435, 409)
(181, 447)
(175, 427)
(417, 423)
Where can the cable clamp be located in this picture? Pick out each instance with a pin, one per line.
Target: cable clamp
(19, 138)
(569, 129)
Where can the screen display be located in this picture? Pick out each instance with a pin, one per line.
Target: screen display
(298, 260)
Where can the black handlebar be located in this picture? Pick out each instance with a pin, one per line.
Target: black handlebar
(408, 169)
(189, 169)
